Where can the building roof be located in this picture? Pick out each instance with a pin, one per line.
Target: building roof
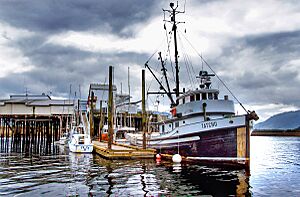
(43, 96)
(96, 86)
(36, 100)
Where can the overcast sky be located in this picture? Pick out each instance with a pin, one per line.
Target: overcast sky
(254, 46)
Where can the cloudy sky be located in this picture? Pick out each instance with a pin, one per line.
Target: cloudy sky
(254, 46)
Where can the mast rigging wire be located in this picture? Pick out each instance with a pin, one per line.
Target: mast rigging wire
(188, 64)
(168, 46)
(217, 76)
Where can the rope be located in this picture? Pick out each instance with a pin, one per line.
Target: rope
(155, 51)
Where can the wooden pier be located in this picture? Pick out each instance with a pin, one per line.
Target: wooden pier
(122, 151)
(31, 123)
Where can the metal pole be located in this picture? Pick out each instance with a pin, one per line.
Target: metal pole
(176, 52)
(92, 116)
(110, 110)
(101, 122)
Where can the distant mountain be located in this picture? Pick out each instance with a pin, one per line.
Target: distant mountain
(282, 121)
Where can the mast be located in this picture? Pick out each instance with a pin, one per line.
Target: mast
(144, 115)
(176, 90)
(173, 13)
(166, 78)
(161, 86)
(176, 50)
(129, 98)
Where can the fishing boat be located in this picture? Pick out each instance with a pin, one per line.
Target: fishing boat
(203, 127)
(80, 141)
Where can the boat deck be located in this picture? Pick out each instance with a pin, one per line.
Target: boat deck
(121, 151)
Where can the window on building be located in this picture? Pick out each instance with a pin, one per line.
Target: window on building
(204, 97)
(210, 96)
(192, 98)
(197, 97)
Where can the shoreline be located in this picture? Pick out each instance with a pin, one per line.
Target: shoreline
(283, 133)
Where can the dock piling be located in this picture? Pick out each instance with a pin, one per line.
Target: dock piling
(110, 109)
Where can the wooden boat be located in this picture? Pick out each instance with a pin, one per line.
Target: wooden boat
(203, 127)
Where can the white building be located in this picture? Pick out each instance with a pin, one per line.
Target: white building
(38, 105)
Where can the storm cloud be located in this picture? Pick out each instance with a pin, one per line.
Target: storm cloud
(253, 46)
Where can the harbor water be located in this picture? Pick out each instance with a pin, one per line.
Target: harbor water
(275, 171)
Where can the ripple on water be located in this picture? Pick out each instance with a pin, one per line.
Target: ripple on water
(275, 170)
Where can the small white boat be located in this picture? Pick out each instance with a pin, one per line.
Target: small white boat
(80, 142)
(120, 134)
(63, 139)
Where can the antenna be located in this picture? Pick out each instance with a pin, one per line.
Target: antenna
(70, 91)
(25, 87)
(129, 96)
(121, 88)
(79, 92)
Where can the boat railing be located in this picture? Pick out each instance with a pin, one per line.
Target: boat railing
(175, 130)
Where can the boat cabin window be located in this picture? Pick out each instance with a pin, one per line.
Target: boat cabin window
(204, 97)
(210, 96)
(81, 140)
(197, 97)
(176, 124)
(170, 125)
(192, 98)
(215, 96)
(79, 130)
(183, 100)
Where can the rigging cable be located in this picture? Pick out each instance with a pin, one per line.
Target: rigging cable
(188, 64)
(217, 76)
(195, 74)
(151, 58)
(168, 44)
(155, 51)
(157, 65)
(168, 49)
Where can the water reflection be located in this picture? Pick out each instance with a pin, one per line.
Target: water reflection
(176, 167)
(146, 178)
(69, 174)
(80, 172)
(45, 147)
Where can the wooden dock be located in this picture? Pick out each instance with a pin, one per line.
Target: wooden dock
(122, 151)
